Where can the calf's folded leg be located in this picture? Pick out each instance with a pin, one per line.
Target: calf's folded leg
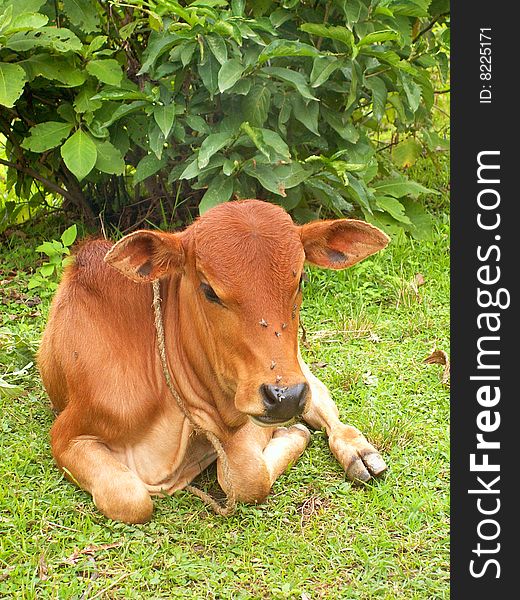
(116, 490)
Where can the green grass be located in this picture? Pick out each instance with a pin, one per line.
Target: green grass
(368, 331)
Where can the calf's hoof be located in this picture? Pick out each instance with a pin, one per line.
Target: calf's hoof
(360, 459)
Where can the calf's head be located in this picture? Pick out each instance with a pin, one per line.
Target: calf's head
(240, 267)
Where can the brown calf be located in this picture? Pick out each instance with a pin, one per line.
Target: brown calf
(230, 288)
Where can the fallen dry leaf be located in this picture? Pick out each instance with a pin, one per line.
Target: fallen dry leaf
(418, 280)
(310, 507)
(90, 551)
(439, 357)
(42, 568)
(4, 574)
(319, 365)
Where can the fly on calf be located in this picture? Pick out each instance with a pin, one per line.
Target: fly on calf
(230, 286)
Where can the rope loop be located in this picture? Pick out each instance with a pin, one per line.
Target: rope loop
(230, 504)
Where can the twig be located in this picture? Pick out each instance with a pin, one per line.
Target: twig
(429, 26)
(32, 173)
(325, 19)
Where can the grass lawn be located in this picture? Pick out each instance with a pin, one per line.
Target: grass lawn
(368, 331)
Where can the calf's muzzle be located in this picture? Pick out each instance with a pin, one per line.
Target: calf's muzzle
(282, 403)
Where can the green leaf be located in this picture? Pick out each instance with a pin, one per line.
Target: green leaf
(45, 136)
(229, 74)
(148, 166)
(322, 69)
(164, 117)
(219, 190)
(58, 68)
(192, 170)
(256, 136)
(238, 7)
(393, 59)
(406, 153)
(127, 30)
(435, 142)
(50, 248)
(412, 91)
(274, 141)
(28, 20)
(6, 16)
(341, 125)
(379, 95)
(117, 93)
(333, 32)
(186, 53)
(411, 8)
(422, 224)
(328, 196)
(12, 82)
(393, 207)
(427, 92)
(96, 44)
(267, 177)
(47, 270)
(156, 139)
(211, 145)
(7, 390)
(378, 36)
(292, 174)
(68, 237)
(386, 223)
(226, 29)
(123, 110)
(158, 44)
(58, 39)
(109, 158)
(307, 114)
(286, 48)
(197, 124)
(79, 154)
(255, 105)
(217, 45)
(155, 21)
(293, 77)
(357, 188)
(23, 6)
(398, 187)
(84, 101)
(82, 13)
(353, 93)
(107, 70)
(208, 71)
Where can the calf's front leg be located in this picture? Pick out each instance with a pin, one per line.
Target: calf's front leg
(257, 456)
(360, 459)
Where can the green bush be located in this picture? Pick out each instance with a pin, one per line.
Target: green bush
(126, 108)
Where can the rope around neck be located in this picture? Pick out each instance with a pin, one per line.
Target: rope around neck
(230, 505)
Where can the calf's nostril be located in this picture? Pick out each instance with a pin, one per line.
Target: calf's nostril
(284, 403)
(269, 395)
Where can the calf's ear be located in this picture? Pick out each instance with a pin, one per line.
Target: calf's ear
(143, 256)
(341, 243)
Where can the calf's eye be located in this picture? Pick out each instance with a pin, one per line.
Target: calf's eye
(210, 293)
